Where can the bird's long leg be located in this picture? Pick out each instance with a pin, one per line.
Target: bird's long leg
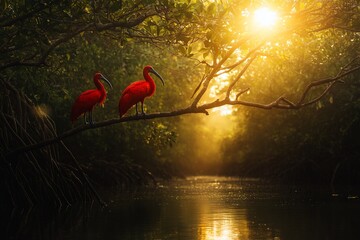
(90, 117)
(137, 113)
(142, 108)
(85, 118)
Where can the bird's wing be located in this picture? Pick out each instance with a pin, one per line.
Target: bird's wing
(138, 91)
(84, 103)
(134, 93)
(139, 88)
(89, 98)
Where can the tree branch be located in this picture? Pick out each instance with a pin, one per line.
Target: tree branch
(29, 14)
(87, 27)
(216, 68)
(232, 84)
(42, 58)
(332, 81)
(123, 24)
(279, 103)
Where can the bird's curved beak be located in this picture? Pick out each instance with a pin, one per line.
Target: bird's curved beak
(157, 74)
(107, 81)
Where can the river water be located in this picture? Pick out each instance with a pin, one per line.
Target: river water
(204, 208)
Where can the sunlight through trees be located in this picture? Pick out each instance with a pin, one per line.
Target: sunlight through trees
(240, 62)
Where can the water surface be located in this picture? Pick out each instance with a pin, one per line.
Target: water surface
(201, 208)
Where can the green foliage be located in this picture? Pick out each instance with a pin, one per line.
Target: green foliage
(51, 49)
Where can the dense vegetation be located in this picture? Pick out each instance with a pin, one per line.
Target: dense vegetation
(206, 49)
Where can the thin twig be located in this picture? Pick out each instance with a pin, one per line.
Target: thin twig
(324, 81)
(232, 84)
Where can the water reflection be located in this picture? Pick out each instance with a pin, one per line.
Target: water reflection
(222, 226)
(220, 205)
(204, 208)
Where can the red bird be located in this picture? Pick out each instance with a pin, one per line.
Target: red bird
(137, 91)
(86, 101)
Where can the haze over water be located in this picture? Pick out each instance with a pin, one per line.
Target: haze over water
(205, 208)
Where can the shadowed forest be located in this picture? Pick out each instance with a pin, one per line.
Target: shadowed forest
(275, 96)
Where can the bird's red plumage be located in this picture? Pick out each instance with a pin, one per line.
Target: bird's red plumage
(86, 101)
(136, 92)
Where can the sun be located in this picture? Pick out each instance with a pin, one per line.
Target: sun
(264, 18)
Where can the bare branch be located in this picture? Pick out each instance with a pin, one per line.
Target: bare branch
(199, 85)
(322, 82)
(241, 93)
(344, 68)
(327, 89)
(216, 68)
(232, 84)
(288, 102)
(251, 52)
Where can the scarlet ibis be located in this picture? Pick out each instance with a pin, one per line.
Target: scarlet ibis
(86, 101)
(137, 91)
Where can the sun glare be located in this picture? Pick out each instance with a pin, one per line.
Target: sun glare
(264, 18)
(221, 82)
(224, 110)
